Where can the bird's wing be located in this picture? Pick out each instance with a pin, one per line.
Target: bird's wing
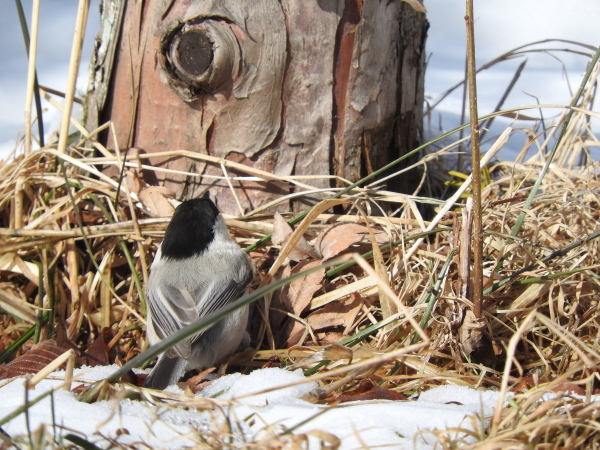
(222, 291)
(172, 308)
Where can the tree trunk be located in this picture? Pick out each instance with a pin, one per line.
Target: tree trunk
(290, 87)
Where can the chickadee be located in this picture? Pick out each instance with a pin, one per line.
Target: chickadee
(197, 270)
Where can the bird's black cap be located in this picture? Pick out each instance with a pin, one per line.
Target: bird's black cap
(191, 229)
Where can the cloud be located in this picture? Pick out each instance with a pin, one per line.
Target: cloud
(501, 26)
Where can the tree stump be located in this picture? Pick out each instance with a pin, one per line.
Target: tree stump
(291, 87)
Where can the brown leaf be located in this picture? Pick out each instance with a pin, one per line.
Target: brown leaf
(88, 217)
(329, 337)
(471, 332)
(281, 229)
(295, 299)
(300, 292)
(569, 387)
(367, 390)
(199, 382)
(475, 343)
(281, 234)
(296, 296)
(525, 384)
(134, 177)
(34, 360)
(134, 182)
(155, 199)
(280, 303)
(338, 313)
(98, 352)
(7, 372)
(339, 237)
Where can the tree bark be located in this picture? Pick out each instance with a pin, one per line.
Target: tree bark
(291, 87)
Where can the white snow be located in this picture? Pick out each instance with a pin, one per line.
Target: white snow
(395, 424)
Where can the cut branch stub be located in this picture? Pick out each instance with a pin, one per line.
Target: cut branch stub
(199, 57)
(191, 52)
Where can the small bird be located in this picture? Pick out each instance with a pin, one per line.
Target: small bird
(197, 270)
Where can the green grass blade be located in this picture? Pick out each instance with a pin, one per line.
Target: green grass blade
(81, 442)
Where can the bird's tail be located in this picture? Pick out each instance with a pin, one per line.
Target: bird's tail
(166, 372)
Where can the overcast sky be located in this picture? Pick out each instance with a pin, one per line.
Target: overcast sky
(500, 26)
(57, 21)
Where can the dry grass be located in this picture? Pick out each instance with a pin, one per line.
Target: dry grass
(76, 247)
(543, 329)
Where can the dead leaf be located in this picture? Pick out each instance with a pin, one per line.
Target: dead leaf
(133, 181)
(316, 210)
(524, 384)
(336, 314)
(339, 237)
(300, 292)
(134, 176)
(295, 299)
(12, 262)
(471, 332)
(34, 360)
(569, 387)
(366, 390)
(329, 337)
(366, 286)
(199, 382)
(475, 342)
(282, 231)
(98, 353)
(280, 303)
(88, 217)
(155, 198)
